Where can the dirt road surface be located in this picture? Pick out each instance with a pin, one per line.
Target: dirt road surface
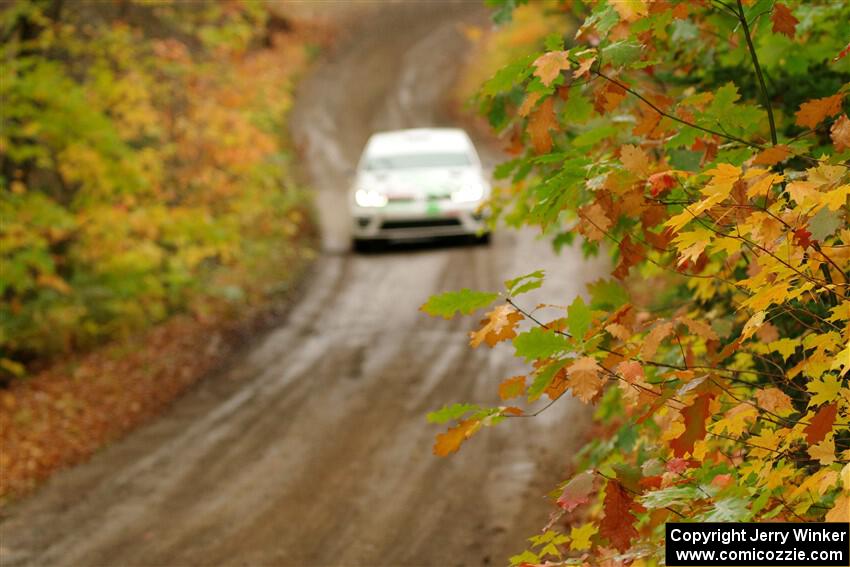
(312, 448)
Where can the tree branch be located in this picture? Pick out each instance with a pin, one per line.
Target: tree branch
(754, 56)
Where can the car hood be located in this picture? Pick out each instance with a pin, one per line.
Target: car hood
(418, 183)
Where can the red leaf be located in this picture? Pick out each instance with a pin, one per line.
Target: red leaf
(821, 424)
(618, 524)
(662, 181)
(695, 416)
(577, 491)
(803, 237)
(784, 21)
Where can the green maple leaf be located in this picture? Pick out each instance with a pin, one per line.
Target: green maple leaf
(465, 301)
(540, 343)
(578, 318)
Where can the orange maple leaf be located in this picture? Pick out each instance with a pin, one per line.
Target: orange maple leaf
(549, 65)
(635, 160)
(512, 387)
(608, 98)
(699, 328)
(584, 380)
(654, 338)
(772, 156)
(784, 21)
(584, 67)
(499, 325)
(812, 112)
(774, 400)
(528, 104)
(597, 222)
(542, 120)
(450, 441)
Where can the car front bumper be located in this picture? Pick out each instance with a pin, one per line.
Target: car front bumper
(410, 221)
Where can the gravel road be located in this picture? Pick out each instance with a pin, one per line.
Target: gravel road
(312, 449)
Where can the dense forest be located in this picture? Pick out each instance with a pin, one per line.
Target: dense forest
(143, 167)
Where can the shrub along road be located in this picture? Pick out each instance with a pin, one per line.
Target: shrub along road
(312, 447)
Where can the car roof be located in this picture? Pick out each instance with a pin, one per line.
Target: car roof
(418, 140)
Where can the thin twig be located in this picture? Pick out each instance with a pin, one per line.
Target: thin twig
(755, 59)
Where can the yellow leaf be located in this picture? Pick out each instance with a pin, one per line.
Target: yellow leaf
(785, 347)
(752, 325)
(826, 481)
(631, 10)
(825, 390)
(842, 359)
(824, 452)
(763, 185)
(777, 476)
(581, 535)
(803, 191)
(736, 420)
(825, 174)
(692, 244)
(678, 221)
(723, 178)
(836, 198)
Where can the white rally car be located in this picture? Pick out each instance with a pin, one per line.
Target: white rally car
(419, 183)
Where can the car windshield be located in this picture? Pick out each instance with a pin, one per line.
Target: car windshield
(417, 161)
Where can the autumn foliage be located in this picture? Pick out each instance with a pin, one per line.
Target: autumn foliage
(144, 169)
(704, 146)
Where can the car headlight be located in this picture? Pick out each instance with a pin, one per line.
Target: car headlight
(468, 194)
(365, 198)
